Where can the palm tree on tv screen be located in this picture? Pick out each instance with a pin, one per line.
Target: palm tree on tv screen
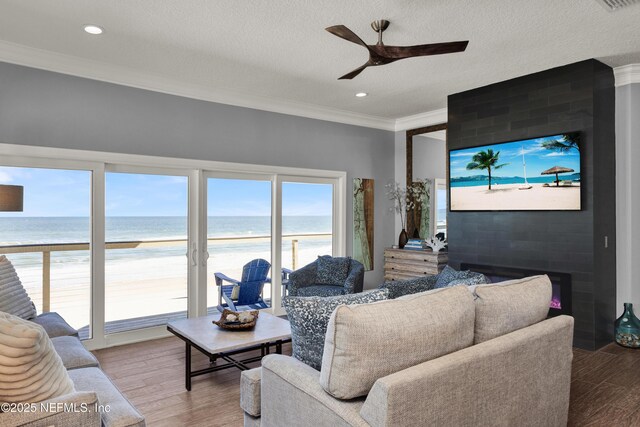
(486, 160)
(566, 143)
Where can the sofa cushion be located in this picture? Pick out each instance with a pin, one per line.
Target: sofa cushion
(30, 369)
(398, 288)
(250, 391)
(507, 306)
(73, 353)
(55, 325)
(320, 291)
(369, 341)
(13, 297)
(309, 317)
(121, 413)
(332, 270)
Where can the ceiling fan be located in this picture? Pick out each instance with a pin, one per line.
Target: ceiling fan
(380, 54)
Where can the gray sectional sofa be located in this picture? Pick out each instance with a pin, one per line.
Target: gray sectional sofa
(96, 400)
(105, 405)
(458, 356)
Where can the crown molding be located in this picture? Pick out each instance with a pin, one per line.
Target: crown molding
(96, 70)
(627, 74)
(420, 120)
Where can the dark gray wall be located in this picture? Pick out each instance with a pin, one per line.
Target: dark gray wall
(54, 110)
(577, 97)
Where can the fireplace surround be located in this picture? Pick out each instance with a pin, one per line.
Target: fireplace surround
(576, 97)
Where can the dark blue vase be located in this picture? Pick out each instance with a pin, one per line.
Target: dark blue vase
(627, 328)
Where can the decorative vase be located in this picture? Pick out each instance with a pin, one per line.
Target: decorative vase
(627, 328)
(403, 239)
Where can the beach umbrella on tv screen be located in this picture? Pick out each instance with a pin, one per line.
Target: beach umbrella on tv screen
(555, 171)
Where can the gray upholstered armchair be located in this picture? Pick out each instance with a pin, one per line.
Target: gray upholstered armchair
(327, 276)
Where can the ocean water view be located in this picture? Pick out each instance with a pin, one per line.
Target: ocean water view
(139, 280)
(476, 181)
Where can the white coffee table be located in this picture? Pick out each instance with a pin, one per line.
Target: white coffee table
(214, 342)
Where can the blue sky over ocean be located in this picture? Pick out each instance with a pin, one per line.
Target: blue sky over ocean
(537, 159)
(63, 193)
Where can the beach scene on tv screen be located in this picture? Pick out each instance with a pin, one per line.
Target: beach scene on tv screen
(533, 174)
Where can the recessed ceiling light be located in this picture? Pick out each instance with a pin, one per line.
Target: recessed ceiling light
(93, 29)
(361, 94)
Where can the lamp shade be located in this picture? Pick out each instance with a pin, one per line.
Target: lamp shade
(11, 197)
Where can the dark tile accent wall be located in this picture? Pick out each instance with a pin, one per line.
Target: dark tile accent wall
(576, 97)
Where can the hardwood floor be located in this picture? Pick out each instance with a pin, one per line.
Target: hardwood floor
(605, 387)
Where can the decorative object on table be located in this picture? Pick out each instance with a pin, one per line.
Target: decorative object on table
(401, 205)
(235, 320)
(363, 221)
(436, 244)
(414, 244)
(627, 328)
(420, 206)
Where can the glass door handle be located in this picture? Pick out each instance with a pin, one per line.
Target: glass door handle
(194, 255)
(205, 256)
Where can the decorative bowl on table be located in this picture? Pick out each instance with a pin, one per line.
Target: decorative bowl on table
(237, 320)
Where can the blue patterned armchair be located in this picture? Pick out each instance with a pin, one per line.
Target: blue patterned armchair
(327, 276)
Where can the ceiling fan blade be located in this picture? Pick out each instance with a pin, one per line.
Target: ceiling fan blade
(354, 73)
(401, 52)
(345, 33)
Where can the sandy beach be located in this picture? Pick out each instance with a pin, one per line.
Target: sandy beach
(510, 197)
(136, 288)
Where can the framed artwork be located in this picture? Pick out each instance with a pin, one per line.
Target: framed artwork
(363, 221)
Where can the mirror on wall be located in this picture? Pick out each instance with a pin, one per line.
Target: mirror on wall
(426, 169)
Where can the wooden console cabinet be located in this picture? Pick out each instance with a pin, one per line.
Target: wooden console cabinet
(402, 264)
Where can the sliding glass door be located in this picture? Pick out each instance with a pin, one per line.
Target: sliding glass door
(146, 233)
(308, 225)
(238, 237)
(307, 222)
(48, 242)
(122, 246)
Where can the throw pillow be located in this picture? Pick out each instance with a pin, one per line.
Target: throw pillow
(332, 270)
(370, 341)
(448, 275)
(508, 306)
(30, 369)
(398, 288)
(472, 279)
(309, 317)
(13, 297)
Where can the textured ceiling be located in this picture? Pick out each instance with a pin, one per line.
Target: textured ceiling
(279, 50)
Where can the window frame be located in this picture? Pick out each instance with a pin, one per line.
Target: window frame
(197, 172)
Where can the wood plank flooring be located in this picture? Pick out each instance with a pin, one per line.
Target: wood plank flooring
(605, 387)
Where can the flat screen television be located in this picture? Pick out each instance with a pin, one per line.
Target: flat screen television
(537, 174)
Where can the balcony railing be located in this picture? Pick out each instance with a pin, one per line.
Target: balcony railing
(47, 249)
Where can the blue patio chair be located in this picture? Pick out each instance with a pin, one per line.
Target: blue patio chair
(254, 276)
